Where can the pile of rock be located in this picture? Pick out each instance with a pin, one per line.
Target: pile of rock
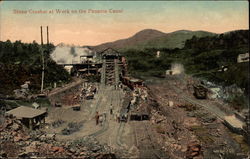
(57, 123)
(88, 92)
(12, 130)
(156, 117)
(88, 146)
(188, 107)
(204, 117)
(193, 150)
(16, 141)
(23, 92)
(72, 127)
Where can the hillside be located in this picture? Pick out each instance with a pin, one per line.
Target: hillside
(140, 37)
(150, 38)
(174, 40)
(201, 57)
(20, 62)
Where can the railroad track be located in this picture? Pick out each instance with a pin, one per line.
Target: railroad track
(121, 125)
(218, 113)
(102, 130)
(145, 143)
(119, 134)
(100, 98)
(102, 92)
(210, 109)
(105, 125)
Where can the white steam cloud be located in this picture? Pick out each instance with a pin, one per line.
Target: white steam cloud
(177, 68)
(64, 54)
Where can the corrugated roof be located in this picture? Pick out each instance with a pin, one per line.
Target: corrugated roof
(25, 112)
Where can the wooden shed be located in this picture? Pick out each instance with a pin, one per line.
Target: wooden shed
(32, 118)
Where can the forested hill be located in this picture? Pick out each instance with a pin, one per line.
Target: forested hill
(202, 57)
(20, 62)
(234, 39)
(151, 38)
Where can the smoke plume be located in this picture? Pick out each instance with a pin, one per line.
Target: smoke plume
(64, 54)
(177, 68)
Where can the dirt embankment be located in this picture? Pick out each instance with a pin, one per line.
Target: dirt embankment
(181, 124)
(17, 141)
(65, 95)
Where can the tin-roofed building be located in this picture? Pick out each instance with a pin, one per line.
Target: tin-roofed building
(32, 118)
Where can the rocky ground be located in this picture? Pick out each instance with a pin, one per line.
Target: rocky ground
(177, 128)
(189, 130)
(17, 141)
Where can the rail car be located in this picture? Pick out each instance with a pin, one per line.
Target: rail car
(200, 91)
(123, 116)
(131, 82)
(140, 114)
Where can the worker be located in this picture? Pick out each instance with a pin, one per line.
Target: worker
(111, 109)
(104, 116)
(101, 119)
(117, 117)
(126, 117)
(97, 118)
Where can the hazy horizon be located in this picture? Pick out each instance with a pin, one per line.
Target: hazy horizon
(87, 28)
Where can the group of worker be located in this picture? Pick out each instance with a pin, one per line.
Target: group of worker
(100, 118)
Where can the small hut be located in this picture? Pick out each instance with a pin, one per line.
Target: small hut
(32, 118)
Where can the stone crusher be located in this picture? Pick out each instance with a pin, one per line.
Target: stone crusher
(200, 91)
(110, 71)
(110, 68)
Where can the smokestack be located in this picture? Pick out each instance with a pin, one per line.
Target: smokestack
(41, 35)
(47, 35)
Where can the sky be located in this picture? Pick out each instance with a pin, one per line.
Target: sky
(79, 28)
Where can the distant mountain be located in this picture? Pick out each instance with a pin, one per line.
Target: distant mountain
(173, 40)
(140, 37)
(150, 38)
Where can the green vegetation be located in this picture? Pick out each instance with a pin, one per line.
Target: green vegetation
(202, 57)
(172, 40)
(145, 63)
(20, 62)
(153, 39)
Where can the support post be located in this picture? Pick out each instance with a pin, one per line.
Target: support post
(42, 59)
(47, 36)
(41, 35)
(31, 124)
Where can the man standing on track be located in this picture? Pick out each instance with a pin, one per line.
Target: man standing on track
(101, 119)
(97, 118)
(111, 109)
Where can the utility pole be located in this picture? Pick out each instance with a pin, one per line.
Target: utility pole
(42, 51)
(48, 36)
(48, 49)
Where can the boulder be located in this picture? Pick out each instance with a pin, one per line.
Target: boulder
(193, 150)
(16, 127)
(170, 103)
(57, 149)
(17, 138)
